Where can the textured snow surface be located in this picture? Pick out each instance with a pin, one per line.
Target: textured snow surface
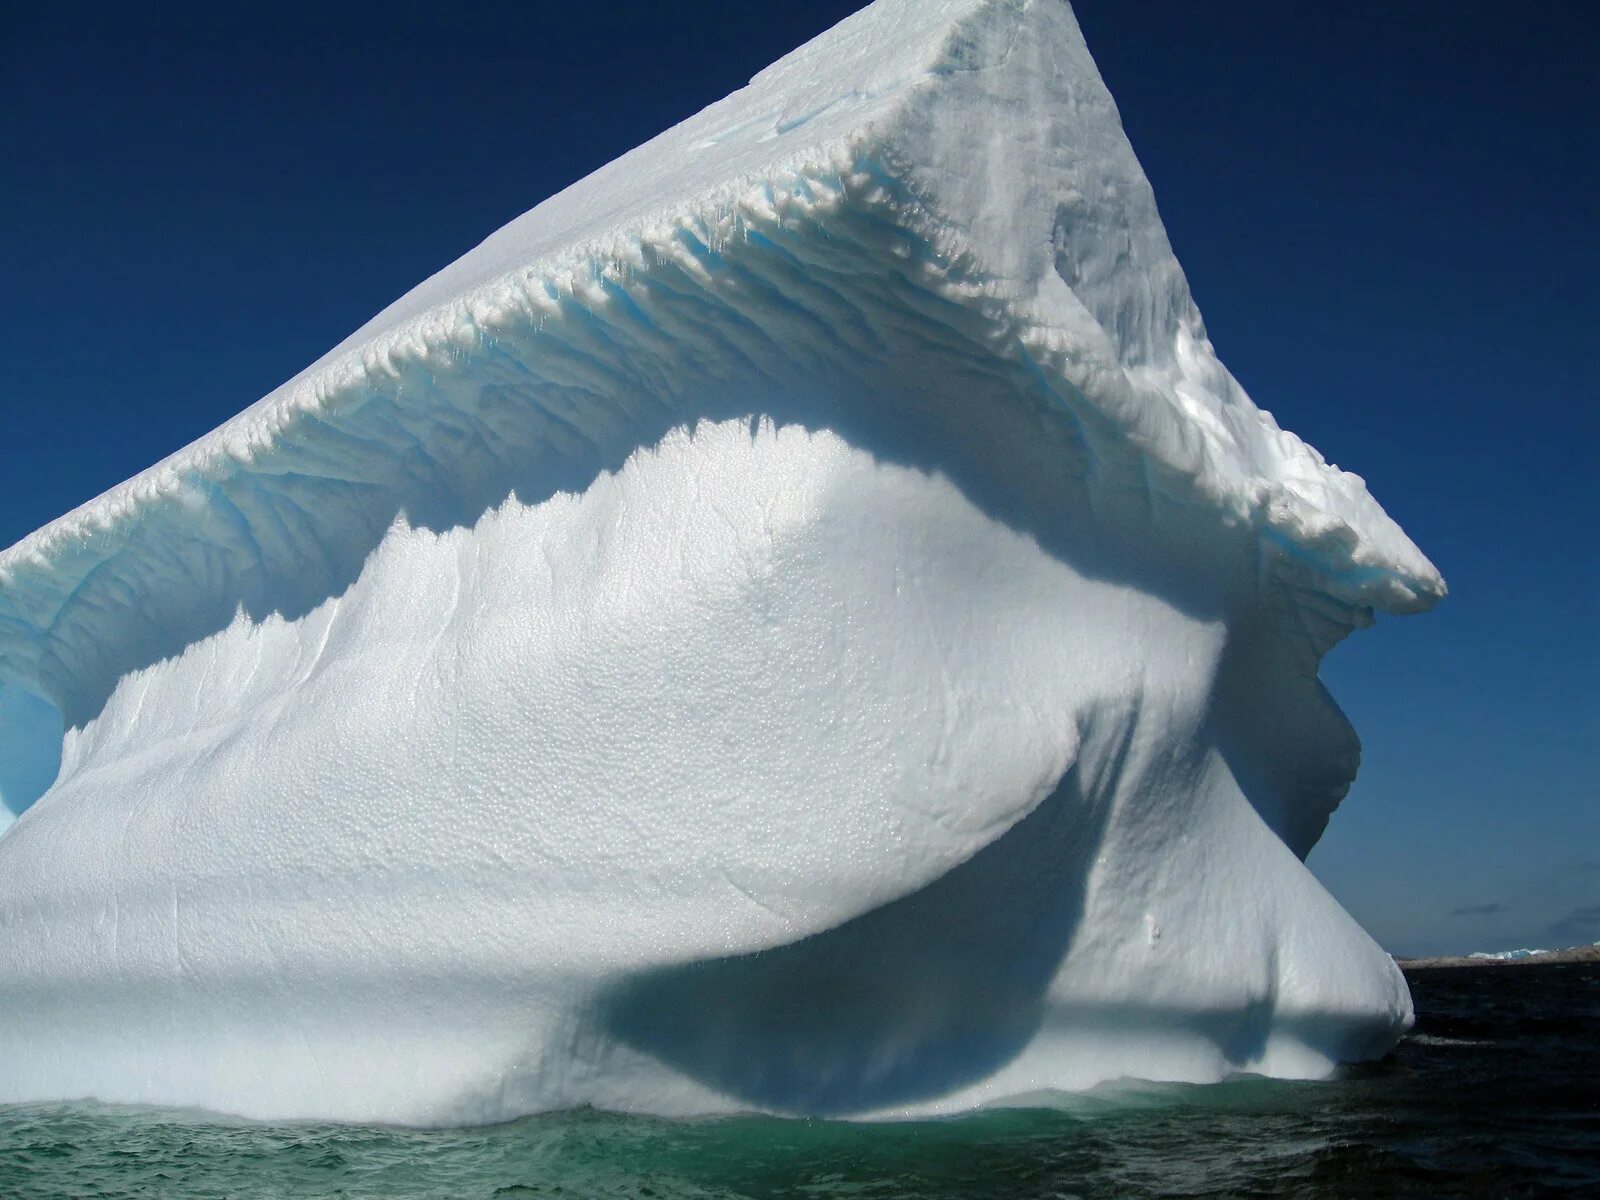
(800, 620)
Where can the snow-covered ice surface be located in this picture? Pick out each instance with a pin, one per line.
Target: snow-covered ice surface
(801, 620)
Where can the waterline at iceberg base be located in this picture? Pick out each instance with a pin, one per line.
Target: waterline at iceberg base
(800, 621)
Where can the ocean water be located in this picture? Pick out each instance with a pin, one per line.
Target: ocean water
(1496, 1093)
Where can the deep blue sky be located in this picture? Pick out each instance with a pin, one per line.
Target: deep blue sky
(1387, 213)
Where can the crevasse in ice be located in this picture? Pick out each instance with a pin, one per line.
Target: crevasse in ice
(800, 621)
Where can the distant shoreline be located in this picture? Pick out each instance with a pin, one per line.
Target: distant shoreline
(1577, 954)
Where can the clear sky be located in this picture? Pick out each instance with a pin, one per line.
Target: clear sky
(1387, 212)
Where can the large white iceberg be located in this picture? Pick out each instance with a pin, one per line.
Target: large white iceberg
(800, 620)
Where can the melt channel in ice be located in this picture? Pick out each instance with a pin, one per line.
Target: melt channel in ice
(799, 621)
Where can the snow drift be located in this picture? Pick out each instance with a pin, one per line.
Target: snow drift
(800, 620)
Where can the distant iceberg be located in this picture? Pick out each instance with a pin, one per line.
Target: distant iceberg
(799, 621)
(1526, 953)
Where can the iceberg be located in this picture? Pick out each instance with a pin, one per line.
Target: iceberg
(800, 621)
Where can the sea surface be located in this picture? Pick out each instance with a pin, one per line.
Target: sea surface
(1496, 1093)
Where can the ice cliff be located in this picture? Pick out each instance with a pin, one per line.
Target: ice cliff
(800, 620)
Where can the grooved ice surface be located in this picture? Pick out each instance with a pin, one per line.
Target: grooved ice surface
(801, 620)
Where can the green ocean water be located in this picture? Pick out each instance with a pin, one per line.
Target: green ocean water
(1496, 1094)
